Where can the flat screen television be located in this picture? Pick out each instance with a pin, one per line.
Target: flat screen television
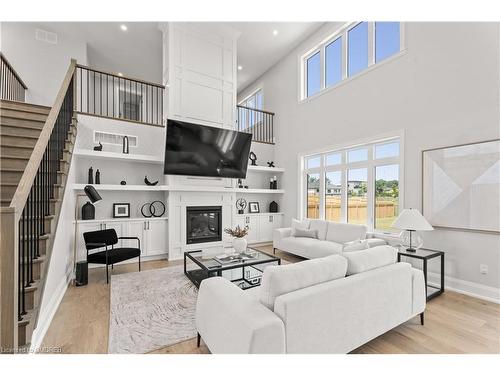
(197, 150)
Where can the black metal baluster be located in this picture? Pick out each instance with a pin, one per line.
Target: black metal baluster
(22, 262)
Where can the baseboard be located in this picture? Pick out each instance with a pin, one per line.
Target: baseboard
(468, 288)
(46, 316)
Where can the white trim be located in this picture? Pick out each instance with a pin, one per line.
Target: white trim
(47, 314)
(469, 288)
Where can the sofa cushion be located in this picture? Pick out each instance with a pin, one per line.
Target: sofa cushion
(298, 245)
(324, 248)
(344, 232)
(321, 226)
(278, 280)
(356, 245)
(365, 260)
(297, 224)
(373, 242)
(310, 233)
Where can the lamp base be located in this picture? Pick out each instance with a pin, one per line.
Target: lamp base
(411, 249)
(411, 240)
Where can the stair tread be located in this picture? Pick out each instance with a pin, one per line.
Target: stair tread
(20, 136)
(36, 108)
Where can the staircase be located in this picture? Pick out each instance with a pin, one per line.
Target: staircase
(36, 148)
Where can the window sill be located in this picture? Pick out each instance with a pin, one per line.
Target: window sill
(349, 79)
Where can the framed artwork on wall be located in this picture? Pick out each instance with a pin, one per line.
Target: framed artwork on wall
(253, 207)
(461, 186)
(121, 210)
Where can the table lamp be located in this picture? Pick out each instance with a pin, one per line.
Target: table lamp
(411, 220)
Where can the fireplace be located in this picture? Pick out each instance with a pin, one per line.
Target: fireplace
(203, 224)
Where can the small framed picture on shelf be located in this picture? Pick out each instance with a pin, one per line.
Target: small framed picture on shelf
(121, 210)
(253, 207)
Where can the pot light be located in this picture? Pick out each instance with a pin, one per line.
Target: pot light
(275, 32)
(120, 74)
(240, 67)
(123, 27)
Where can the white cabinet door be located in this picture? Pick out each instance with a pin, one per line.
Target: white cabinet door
(119, 226)
(266, 224)
(136, 229)
(156, 237)
(81, 250)
(253, 228)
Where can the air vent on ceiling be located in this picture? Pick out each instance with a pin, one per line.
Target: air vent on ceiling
(114, 139)
(46, 36)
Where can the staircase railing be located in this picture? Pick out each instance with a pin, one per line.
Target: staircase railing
(12, 86)
(104, 94)
(23, 222)
(258, 122)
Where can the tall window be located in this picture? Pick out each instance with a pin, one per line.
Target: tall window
(348, 52)
(249, 118)
(358, 185)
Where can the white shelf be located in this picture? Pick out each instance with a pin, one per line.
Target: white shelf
(258, 168)
(80, 221)
(178, 188)
(259, 191)
(91, 154)
(260, 214)
(122, 187)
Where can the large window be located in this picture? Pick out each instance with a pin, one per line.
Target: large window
(358, 185)
(347, 53)
(248, 118)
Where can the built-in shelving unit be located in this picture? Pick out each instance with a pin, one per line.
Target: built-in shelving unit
(122, 187)
(258, 168)
(91, 154)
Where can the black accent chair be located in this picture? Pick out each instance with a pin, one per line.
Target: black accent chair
(105, 238)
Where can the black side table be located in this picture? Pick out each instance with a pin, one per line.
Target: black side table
(425, 255)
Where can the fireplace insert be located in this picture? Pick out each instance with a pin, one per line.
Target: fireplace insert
(203, 224)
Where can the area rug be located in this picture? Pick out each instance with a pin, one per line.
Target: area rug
(150, 310)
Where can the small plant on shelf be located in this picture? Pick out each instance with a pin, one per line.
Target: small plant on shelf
(237, 232)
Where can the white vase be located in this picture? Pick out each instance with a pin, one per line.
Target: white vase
(239, 244)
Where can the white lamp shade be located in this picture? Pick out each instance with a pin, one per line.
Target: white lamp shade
(411, 219)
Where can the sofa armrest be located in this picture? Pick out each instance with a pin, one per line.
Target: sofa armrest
(280, 233)
(230, 321)
(419, 294)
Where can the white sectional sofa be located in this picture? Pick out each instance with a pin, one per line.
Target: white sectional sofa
(331, 238)
(327, 305)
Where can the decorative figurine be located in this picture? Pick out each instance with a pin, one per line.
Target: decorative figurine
(270, 164)
(98, 148)
(91, 176)
(123, 182)
(271, 183)
(253, 158)
(273, 207)
(240, 184)
(241, 204)
(125, 144)
(97, 177)
(147, 182)
(88, 211)
(275, 183)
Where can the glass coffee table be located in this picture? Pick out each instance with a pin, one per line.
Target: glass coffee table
(245, 273)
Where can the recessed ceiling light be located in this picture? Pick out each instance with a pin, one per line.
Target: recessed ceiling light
(275, 32)
(240, 67)
(120, 74)
(123, 27)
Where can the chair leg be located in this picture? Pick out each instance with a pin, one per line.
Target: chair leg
(107, 276)
(112, 266)
(139, 263)
(274, 250)
(422, 318)
(198, 340)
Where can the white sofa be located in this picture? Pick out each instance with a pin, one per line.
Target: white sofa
(331, 238)
(311, 306)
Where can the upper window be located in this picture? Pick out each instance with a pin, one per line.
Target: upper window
(253, 101)
(347, 53)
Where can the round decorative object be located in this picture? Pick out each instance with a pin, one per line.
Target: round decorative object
(147, 210)
(157, 208)
(123, 182)
(416, 240)
(239, 244)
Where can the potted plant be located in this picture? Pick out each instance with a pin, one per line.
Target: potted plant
(239, 241)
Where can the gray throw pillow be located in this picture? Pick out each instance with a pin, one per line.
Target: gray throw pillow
(310, 233)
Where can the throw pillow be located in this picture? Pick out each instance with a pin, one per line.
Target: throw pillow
(310, 233)
(297, 224)
(356, 245)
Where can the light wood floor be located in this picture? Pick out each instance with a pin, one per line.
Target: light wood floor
(454, 323)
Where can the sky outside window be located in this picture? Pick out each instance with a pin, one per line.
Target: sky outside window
(313, 74)
(333, 62)
(357, 50)
(387, 42)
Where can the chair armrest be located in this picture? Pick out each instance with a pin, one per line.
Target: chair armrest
(230, 321)
(129, 238)
(96, 244)
(419, 296)
(280, 233)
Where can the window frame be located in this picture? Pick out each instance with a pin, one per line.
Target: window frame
(371, 164)
(342, 32)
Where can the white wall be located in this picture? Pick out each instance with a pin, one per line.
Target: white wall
(40, 65)
(443, 91)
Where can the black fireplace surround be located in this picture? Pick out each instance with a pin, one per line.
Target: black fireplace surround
(203, 224)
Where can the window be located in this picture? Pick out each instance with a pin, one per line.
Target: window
(387, 39)
(313, 74)
(354, 184)
(248, 118)
(333, 196)
(313, 196)
(386, 196)
(253, 101)
(346, 53)
(357, 49)
(333, 62)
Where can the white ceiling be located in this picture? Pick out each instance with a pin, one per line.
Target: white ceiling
(137, 52)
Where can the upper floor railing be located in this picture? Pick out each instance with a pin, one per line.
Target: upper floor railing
(12, 86)
(258, 122)
(104, 94)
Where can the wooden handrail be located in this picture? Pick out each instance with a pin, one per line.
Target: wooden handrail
(120, 77)
(256, 110)
(2, 56)
(23, 189)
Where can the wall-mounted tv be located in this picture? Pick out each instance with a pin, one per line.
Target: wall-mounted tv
(197, 150)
